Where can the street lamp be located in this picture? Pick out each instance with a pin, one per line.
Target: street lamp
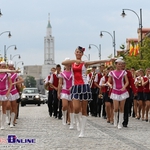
(87, 56)
(99, 49)
(140, 22)
(113, 39)
(18, 63)
(0, 13)
(11, 57)
(5, 51)
(9, 35)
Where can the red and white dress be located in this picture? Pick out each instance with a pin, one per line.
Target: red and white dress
(14, 95)
(118, 83)
(4, 86)
(80, 89)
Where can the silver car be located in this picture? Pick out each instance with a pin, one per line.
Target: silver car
(30, 96)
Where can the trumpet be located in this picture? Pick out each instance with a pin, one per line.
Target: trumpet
(92, 79)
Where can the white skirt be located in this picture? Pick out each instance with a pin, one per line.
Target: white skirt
(120, 97)
(65, 96)
(14, 97)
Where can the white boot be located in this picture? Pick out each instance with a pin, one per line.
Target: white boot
(83, 123)
(71, 121)
(3, 118)
(78, 121)
(74, 119)
(12, 119)
(120, 120)
(7, 116)
(64, 117)
(115, 118)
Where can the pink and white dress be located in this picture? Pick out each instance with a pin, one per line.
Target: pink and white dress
(14, 95)
(4, 86)
(118, 83)
(67, 84)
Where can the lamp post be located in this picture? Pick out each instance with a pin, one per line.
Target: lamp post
(87, 56)
(140, 23)
(99, 49)
(18, 63)
(11, 57)
(113, 39)
(9, 34)
(5, 51)
(0, 13)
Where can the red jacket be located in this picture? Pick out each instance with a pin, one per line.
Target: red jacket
(146, 87)
(131, 82)
(50, 89)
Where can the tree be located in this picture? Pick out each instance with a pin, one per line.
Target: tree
(30, 81)
(142, 60)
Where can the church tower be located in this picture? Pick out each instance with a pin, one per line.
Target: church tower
(49, 59)
(49, 45)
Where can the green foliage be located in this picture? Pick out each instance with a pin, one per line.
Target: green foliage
(142, 60)
(30, 82)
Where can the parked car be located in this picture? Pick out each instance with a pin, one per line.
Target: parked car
(44, 99)
(30, 96)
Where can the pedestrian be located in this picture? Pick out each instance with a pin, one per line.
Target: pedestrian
(93, 103)
(132, 90)
(54, 84)
(108, 102)
(50, 89)
(119, 92)
(146, 92)
(14, 95)
(64, 87)
(80, 92)
(5, 87)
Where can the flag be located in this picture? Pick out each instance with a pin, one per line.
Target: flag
(131, 51)
(136, 50)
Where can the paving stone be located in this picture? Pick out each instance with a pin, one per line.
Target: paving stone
(35, 123)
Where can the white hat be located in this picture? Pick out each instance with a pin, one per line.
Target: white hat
(10, 63)
(2, 63)
(119, 59)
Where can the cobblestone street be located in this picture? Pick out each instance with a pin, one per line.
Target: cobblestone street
(49, 133)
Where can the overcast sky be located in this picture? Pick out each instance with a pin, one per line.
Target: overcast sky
(74, 22)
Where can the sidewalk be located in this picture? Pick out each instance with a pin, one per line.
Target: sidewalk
(49, 133)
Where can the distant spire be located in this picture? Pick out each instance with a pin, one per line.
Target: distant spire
(49, 25)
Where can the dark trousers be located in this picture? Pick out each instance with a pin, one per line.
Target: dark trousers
(127, 108)
(93, 103)
(57, 104)
(99, 106)
(50, 102)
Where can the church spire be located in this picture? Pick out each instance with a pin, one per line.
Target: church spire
(49, 25)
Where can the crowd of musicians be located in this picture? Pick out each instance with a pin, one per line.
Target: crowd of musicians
(112, 92)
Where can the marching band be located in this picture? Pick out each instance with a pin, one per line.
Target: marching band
(104, 91)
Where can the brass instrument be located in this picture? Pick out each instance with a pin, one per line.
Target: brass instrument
(92, 79)
(139, 81)
(100, 96)
(47, 86)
